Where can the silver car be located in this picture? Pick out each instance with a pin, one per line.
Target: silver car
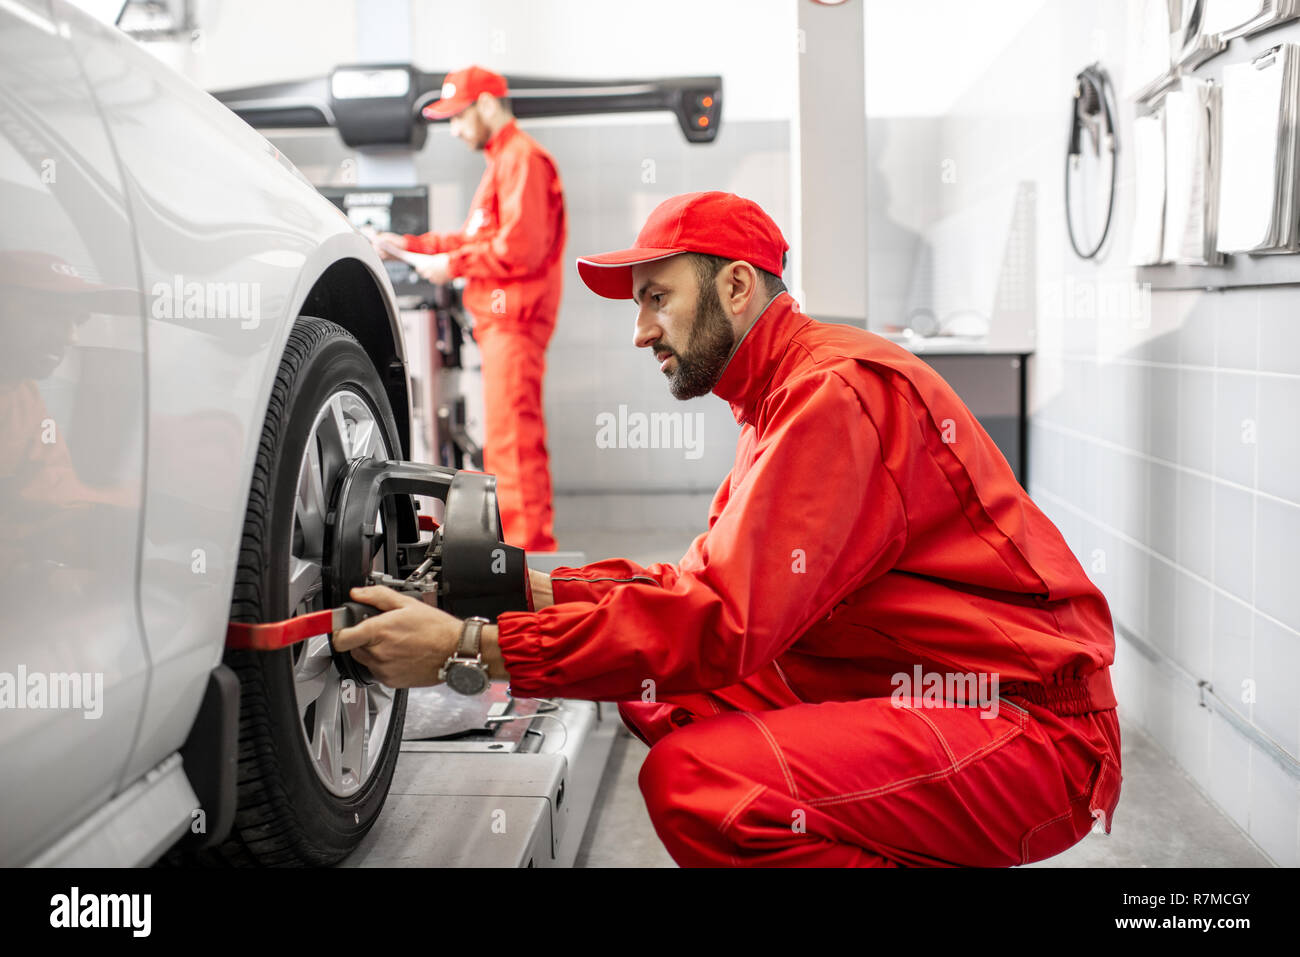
(195, 344)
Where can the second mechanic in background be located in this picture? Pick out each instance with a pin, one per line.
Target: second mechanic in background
(509, 251)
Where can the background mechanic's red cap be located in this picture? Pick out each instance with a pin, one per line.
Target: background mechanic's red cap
(720, 224)
(462, 88)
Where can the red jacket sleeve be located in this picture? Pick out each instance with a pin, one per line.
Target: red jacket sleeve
(591, 582)
(433, 243)
(524, 233)
(816, 516)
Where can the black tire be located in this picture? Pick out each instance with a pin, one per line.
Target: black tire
(286, 815)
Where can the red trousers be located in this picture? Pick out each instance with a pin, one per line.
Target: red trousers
(514, 434)
(749, 775)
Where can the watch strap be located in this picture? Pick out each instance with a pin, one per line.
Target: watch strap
(471, 638)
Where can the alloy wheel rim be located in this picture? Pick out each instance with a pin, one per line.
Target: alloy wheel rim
(343, 723)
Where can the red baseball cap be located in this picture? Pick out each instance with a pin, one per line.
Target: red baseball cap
(719, 224)
(462, 88)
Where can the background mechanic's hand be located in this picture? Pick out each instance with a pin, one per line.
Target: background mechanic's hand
(436, 269)
(405, 646)
(543, 596)
(393, 239)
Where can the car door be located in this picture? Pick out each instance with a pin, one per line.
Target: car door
(73, 665)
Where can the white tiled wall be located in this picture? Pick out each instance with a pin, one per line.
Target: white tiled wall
(1164, 437)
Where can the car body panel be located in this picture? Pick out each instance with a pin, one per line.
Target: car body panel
(162, 193)
(230, 239)
(71, 444)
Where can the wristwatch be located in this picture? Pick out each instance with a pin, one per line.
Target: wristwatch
(465, 671)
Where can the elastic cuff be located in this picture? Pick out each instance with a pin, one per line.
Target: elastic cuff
(1074, 696)
(520, 644)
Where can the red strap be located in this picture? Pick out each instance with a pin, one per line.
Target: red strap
(428, 523)
(272, 635)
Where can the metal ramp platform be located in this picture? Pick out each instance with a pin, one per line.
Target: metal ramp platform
(456, 803)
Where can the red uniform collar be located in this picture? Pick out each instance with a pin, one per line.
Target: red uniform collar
(500, 138)
(744, 381)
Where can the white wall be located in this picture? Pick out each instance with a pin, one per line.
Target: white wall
(922, 57)
(752, 46)
(245, 42)
(1162, 438)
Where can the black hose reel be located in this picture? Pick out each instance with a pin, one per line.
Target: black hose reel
(1092, 111)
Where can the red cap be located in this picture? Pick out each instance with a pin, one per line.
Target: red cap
(462, 88)
(719, 224)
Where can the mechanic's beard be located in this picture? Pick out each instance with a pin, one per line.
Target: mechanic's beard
(699, 368)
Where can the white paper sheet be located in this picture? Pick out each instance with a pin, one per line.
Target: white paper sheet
(1149, 62)
(1191, 173)
(1146, 245)
(1256, 184)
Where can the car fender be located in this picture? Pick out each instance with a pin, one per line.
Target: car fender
(231, 242)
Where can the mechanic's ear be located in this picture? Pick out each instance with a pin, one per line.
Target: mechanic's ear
(739, 281)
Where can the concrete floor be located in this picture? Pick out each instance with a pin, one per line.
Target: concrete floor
(1163, 818)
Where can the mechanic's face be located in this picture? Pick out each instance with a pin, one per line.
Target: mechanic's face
(468, 126)
(684, 322)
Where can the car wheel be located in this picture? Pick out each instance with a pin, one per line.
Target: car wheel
(316, 748)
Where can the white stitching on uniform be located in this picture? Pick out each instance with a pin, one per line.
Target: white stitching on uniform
(744, 802)
(907, 782)
(952, 758)
(776, 749)
(635, 578)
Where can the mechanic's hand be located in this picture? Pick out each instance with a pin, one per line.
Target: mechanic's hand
(393, 239)
(543, 595)
(406, 646)
(436, 269)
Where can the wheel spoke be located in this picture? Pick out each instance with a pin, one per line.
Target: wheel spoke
(305, 584)
(333, 437)
(346, 425)
(326, 746)
(354, 715)
(365, 439)
(309, 507)
(379, 700)
(312, 671)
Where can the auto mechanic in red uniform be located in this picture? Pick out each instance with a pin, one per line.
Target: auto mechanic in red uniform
(510, 252)
(880, 653)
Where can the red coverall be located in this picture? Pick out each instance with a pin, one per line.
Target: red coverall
(510, 251)
(869, 526)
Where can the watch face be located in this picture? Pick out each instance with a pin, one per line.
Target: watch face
(466, 679)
